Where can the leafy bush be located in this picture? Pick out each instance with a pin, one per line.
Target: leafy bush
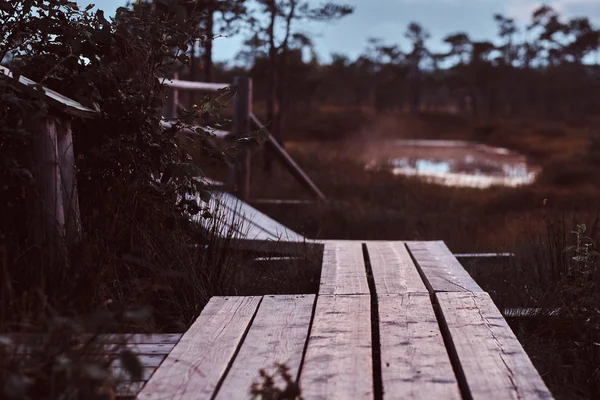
(133, 181)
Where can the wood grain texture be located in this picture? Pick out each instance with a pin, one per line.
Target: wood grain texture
(278, 335)
(442, 271)
(495, 365)
(199, 361)
(338, 362)
(414, 360)
(393, 270)
(343, 270)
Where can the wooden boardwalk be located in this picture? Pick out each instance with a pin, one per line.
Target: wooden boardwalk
(248, 228)
(392, 320)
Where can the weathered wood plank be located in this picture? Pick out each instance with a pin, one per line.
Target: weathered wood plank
(442, 271)
(199, 361)
(343, 270)
(414, 360)
(278, 335)
(338, 361)
(494, 364)
(140, 338)
(393, 270)
(141, 349)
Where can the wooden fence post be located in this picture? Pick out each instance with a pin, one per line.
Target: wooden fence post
(70, 198)
(49, 220)
(242, 108)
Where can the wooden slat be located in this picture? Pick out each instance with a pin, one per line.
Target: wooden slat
(278, 335)
(338, 361)
(57, 100)
(414, 360)
(255, 217)
(232, 214)
(343, 270)
(443, 272)
(494, 364)
(393, 270)
(141, 349)
(140, 338)
(199, 361)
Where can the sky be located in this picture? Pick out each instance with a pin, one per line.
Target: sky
(388, 19)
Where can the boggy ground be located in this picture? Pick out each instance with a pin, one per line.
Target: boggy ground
(535, 222)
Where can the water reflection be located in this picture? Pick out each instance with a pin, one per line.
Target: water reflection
(456, 163)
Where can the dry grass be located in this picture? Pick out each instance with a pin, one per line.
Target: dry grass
(534, 222)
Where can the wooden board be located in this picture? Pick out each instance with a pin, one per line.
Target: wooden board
(255, 219)
(338, 361)
(55, 99)
(343, 270)
(140, 338)
(141, 349)
(494, 364)
(393, 270)
(278, 335)
(414, 360)
(442, 271)
(199, 361)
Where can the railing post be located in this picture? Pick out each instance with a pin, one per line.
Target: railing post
(66, 159)
(242, 108)
(48, 220)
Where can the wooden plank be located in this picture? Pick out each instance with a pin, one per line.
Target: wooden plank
(278, 335)
(57, 100)
(140, 338)
(442, 271)
(338, 361)
(231, 213)
(343, 270)
(493, 363)
(199, 361)
(414, 360)
(393, 270)
(195, 86)
(141, 349)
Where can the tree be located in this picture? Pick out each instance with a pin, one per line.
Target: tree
(460, 46)
(277, 36)
(417, 36)
(224, 16)
(506, 30)
(585, 39)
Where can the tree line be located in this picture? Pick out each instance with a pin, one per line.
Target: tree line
(545, 68)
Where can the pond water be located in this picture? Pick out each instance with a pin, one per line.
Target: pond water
(454, 163)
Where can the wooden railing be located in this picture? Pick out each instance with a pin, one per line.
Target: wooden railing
(243, 120)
